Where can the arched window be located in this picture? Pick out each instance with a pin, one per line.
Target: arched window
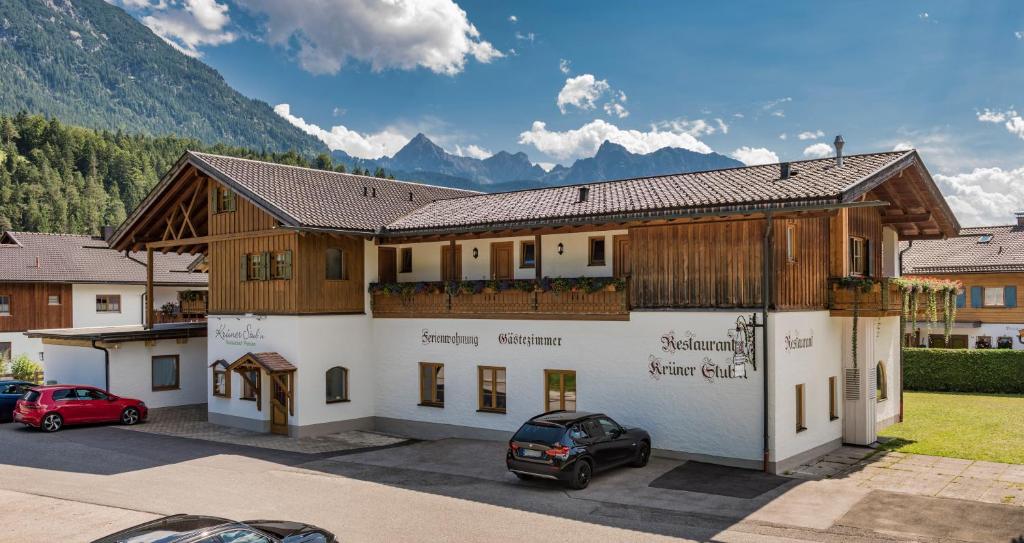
(337, 384)
(336, 265)
(881, 384)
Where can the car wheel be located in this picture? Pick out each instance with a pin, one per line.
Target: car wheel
(51, 423)
(130, 416)
(581, 475)
(643, 455)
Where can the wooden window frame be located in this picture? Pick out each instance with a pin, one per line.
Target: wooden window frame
(344, 382)
(51, 297)
(833, 398)
(5, 300)
(481, 404)
(561, 400)
(177, 372)
(590, 251)
(402, 268)
(432, 401)
(226, 393)
(984, 298)
(801, 408)
(255, 389)
(223, 200)
(107, 302)
(523, 264)
(791, 242)
(881, 385)
(281, 265)
(343, 265)
(857, 241)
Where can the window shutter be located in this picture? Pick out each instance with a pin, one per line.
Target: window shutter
(266, 266)
(1010, 296)
(287, 265)
(243, 274)
(977, 298)
(961, 298)
(231, 200)
(213, 199)
(869, 260)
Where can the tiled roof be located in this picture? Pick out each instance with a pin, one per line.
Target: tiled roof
(965, 254)
(324, 199)
(66, 258)
(272, 361)
(815, 181)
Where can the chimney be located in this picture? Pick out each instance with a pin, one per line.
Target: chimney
(1020, 217)
(839, 143)
(410, 196)
(584, 194)
(106, 232)
(38, 264)
(373, 192)
(785, 170)
(366, 192)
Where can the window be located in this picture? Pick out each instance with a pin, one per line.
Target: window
(222, 200)
(984, 238)
(5, 351)
(221, 383)
(431, 384)
(336, 265)
(87, 394)
(281, 265)
(833, 400)
(166, 372)
(255, 266)
(993, 297)
(881, 384)
(1004, 342)
(240, 536)
(108, 303)
(609, 427)
(250, 384)
(53, 300)
(801, 421)
(527, 254)
(791, 242)
(858, 256)
(492, 388)
(64, 394)
(337, 384)
(596, 252)
(559, 390)
(983, 342)
(5, 304)
(406, 266)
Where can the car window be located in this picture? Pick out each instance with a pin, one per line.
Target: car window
(31, 396)
(90, 394)
(63, 394)
(536, 433)
(609, 426)
(593, 428)
(9, 389)
(242, 536)
(577, 433)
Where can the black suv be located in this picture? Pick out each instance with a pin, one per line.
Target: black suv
(201, 529)
(571, 446)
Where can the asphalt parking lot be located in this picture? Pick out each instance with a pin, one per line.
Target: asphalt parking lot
(84, 482)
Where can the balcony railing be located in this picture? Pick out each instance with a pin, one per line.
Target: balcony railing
(193, 310)
(414, 300)
(881, 299)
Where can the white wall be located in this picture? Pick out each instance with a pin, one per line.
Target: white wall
(994, 331)
(83, 307)
(131, 369)
(22, 344)
(795, 362)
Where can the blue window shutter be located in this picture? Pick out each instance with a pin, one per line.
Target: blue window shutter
(976, 297)
(1010, 296)
(961, 299)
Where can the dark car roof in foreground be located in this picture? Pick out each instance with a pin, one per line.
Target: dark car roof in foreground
(563, 417)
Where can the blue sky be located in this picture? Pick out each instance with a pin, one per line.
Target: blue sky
(760, 81)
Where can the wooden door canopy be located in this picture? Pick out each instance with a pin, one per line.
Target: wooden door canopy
(281, 371)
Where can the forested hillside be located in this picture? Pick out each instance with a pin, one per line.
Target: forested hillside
(60, 178)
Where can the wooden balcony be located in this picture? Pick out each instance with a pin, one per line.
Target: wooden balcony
(193, 310)
(507, 304)
(883, 299)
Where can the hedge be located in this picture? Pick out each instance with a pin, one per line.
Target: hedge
(964, 370)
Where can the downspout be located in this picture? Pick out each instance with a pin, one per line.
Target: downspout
(903, 324)
(765, 304)
(106, 365)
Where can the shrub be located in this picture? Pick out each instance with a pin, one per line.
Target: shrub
(963, 370)
(24, 369)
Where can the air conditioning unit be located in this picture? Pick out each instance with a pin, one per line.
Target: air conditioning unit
(859, 406)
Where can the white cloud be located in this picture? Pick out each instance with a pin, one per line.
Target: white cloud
(752, 156)
(778, 113)
(513, 19)
(783, 136)
(818, 150)
(340, 138)
(529, 36)
(1019, 35)
(188, 27)
(722, 126)
(1012, 120)
(325, 34)
(581, 91)
(695, 128)
(615, 109)
(563, 65)
(984, 196)
(902, 146)
(472, 151)
(584, 141)
(810, 135)
(991, 116)
(772, 107)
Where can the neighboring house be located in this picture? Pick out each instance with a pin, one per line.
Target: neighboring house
(66, 281)
(709, 308)
(989, 262)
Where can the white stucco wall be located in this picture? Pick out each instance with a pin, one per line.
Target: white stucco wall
(131, 369)
(994, 331)
(21, 344)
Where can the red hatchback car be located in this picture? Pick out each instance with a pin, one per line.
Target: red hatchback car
(49, 408)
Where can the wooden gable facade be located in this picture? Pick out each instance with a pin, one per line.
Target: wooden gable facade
(30, 307)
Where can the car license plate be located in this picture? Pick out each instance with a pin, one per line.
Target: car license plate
(531, 453)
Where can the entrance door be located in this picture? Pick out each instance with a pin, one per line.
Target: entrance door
(620, 256)
(387, 265)
(279, 403)
(501, 260)
(446, 272)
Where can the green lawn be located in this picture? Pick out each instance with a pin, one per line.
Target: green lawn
(974, 426)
